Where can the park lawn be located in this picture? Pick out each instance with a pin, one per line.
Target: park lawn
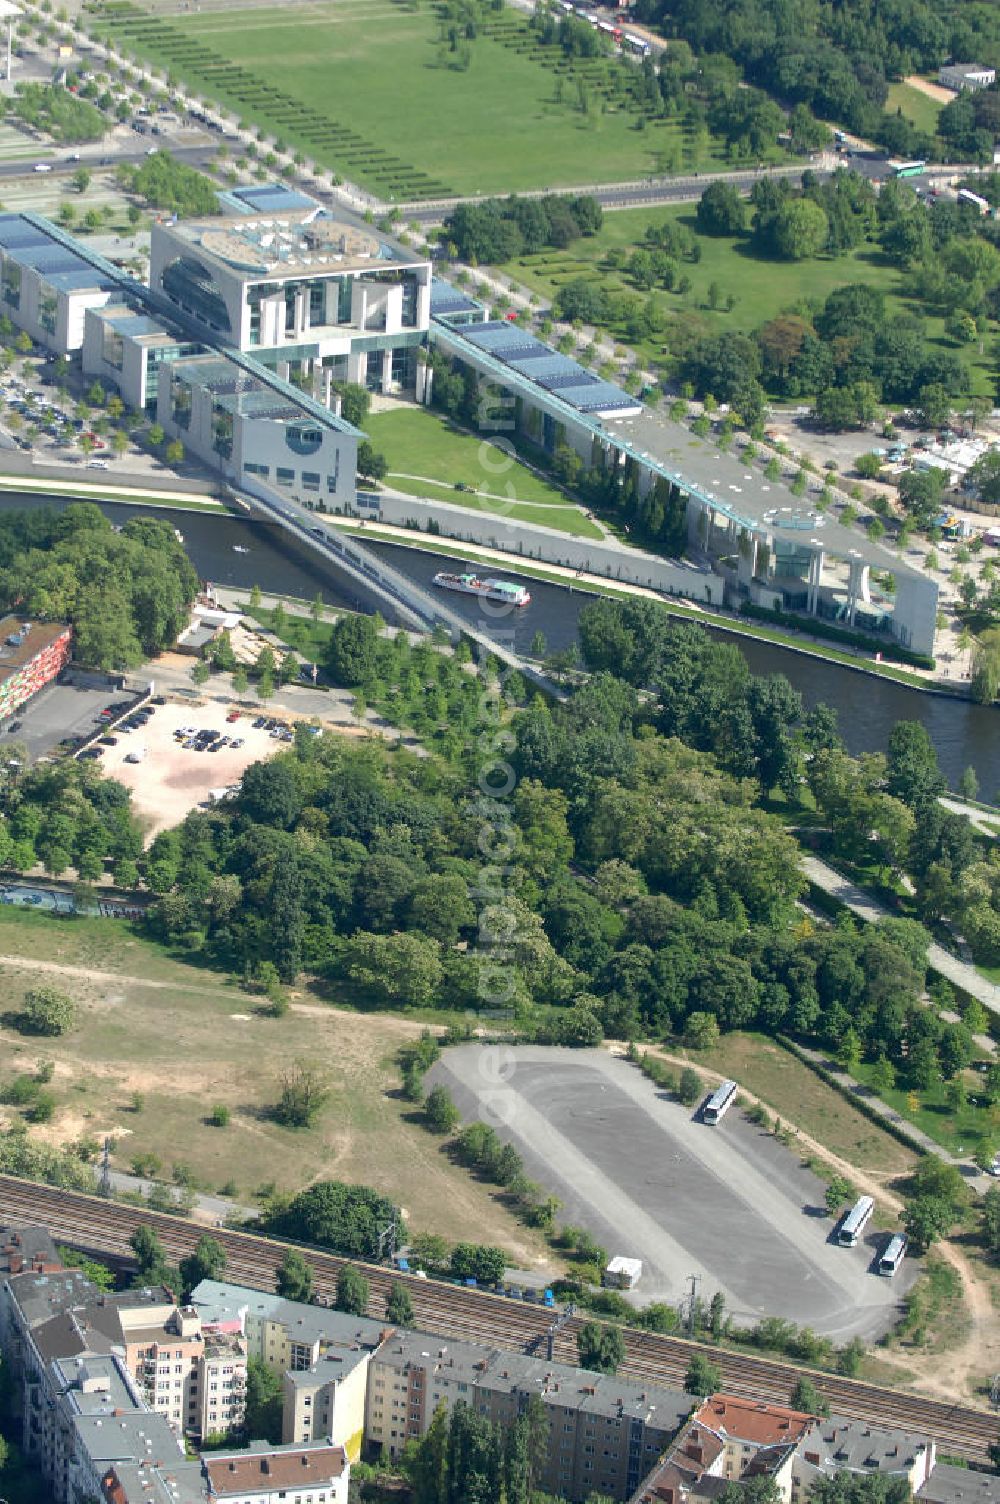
(429, 456)
(309, 639)
(957, 1131)
(200, 1041)
(761, 288)
(799, 1097)
(377, 71)
(918, 107)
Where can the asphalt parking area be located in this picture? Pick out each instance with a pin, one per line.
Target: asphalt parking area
(56, 712)
(648, 1179)
(169, 780)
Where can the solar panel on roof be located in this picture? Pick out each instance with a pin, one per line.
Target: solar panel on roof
(571, 381)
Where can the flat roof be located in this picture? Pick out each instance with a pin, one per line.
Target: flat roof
(21, 641)
(948, 1484)
(287, 243)
(29, 243)
(269, 198)
(542, 366)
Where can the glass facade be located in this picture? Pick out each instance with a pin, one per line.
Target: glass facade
(222, 431)
(180, 404)
(11, 283)
(112, 348)
(193, 288)
(48, 308)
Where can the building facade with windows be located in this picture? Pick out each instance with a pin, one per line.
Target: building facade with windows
(46, 284)
(317, 299)
(32, 654)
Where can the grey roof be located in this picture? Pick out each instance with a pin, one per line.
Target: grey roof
(170, 1483)
(24, 1242)
(856, 1445)
(31, 244)
(74, 1376)
(502, 1372)
(42, 1296)
(948, 1484)
(332, 1368)
(447, 299)
(269, 198)
(128, 1438)
(218, 1300)
(65, 1336)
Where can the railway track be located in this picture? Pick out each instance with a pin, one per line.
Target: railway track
(451, 1312)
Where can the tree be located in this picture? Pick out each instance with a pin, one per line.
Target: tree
(600, 1348)
(47, 1011)
(689, 1087)
(352, 656)
(294, 1279)
(721, 210)
(838, 1192)
(151, 1260)
(264, 1403)
(703, 1377)
(399, 1306)
(800, 229)
(986, 667)
(303, 1096)
(701, 1032)
(352, 1291)
(371, 464)
(174, 452)
(806, 1397)
(440, 1111)
(926, 1220)
(207, 1262)
(349, 1219)
(912, 772)
(984, 477)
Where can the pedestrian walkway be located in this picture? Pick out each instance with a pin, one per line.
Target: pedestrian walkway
(959, 973)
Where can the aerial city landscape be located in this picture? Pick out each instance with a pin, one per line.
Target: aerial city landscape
(499, 752)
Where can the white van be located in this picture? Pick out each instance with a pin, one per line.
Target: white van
(136, 755)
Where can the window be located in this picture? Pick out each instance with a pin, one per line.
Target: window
(252, 469)
(285, 477)
(310, 480)
(193, 288)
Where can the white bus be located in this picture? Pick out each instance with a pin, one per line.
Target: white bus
(965, 196)
(893, 1256)
(720, 1102)
(856, 1221)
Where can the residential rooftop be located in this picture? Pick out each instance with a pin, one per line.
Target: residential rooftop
(860, 1447)
(763, 1425)
(27, 1248)
(948, 1484)
(274, 1468)
(21, 641)
(219, 1301)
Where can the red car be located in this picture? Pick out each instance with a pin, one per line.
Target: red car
(233, 715)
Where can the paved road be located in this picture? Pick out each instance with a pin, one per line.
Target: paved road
(961, 973)
(108, 156)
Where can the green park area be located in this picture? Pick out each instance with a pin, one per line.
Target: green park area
(369, 89)
(428, 455)
(728, 269)
(916, 106)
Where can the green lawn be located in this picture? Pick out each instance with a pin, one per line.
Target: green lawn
(761, 288)
(366, 87)
(429, 456)
(958, 1131)
(916, 106)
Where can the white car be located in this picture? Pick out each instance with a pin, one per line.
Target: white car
(42, 167)
(97, 464)
(994, 1169)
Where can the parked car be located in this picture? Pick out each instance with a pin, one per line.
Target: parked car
(15, 726)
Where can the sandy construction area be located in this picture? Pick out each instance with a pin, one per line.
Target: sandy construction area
(171, 779)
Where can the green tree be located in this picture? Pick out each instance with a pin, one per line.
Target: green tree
(174, 452)
(600, 1348)
(807, 1398)
(399, 1306)
(352, 657)
(689, 1087)
(207, 1262)
(926, 1220)
(150, 1258)
(304, 1094)
(800, 229)
(264, 1402)
(440, 1111)
(352, 1291)
(703, 1377)
(294, 1279)
(46, 1010)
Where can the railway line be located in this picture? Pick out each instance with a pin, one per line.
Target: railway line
(451, 1312)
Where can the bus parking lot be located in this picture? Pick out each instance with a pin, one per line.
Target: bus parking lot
(727, 1204)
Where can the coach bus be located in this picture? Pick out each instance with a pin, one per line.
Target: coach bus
(910, 169)
(856, 1221)
(893, 1256)
(720, 1102)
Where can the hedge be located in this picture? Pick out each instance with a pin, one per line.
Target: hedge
(818, 628)
(898, 1131)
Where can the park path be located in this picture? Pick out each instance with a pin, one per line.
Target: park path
(986, 824)
(960, 973)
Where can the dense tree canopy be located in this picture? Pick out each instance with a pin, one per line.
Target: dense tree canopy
(126, 593)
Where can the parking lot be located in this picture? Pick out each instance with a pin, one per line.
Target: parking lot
(728, 1204)
(168, 780)
(59, 711)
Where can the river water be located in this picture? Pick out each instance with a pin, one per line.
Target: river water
(868, 706)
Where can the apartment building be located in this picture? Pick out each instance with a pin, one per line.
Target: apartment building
(31, 655)
(193, 1374)
(605, 1432)
(258, 1474)
(327, 1400)
(729, 1440)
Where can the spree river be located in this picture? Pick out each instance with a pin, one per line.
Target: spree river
(867, 706)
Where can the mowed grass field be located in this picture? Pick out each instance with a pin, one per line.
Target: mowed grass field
(428, 456)
(187, 1039)
(761, 288)
(917, 106)
(365, 87)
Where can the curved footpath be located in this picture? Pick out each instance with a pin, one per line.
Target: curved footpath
(961, 973)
